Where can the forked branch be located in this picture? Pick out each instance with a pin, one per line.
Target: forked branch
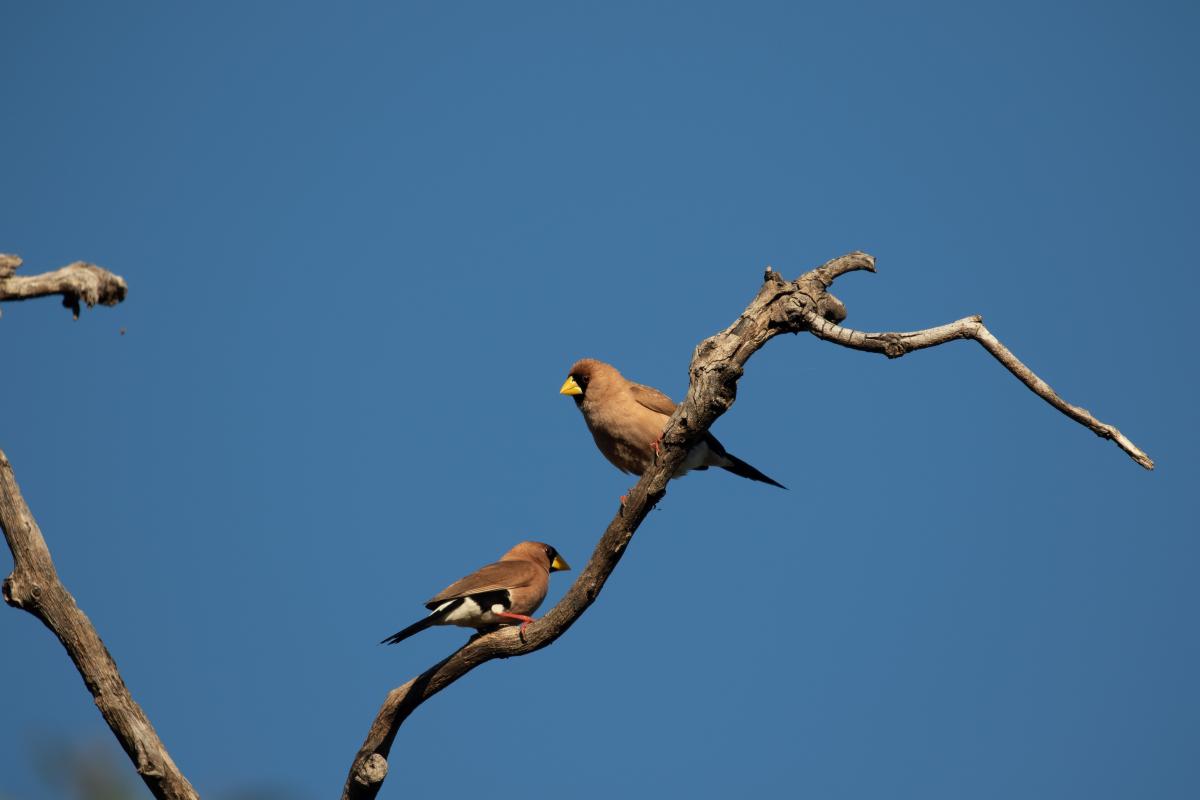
(780, 306)
(718, 362)
(76, 282)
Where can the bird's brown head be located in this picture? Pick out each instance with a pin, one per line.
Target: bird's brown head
(539, 553)
(583, 374)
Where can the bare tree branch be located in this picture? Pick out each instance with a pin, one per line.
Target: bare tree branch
(75, 282)
(718, 362)
(370, 764)
(780, 306)
(894, 345)
(34, 586)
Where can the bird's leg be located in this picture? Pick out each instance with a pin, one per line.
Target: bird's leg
(655, 447)
(525, 620)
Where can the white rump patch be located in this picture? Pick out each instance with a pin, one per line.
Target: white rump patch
(701, 456)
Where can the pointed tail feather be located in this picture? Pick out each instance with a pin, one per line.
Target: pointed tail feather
(739, 467)
(416, 627)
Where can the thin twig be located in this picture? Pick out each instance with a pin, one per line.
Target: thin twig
(894, 345)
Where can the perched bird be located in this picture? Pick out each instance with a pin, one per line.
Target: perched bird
(627, 420)
(499, 594)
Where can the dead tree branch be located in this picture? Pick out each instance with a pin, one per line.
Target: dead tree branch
(75, 282)
(718, 362)
(34, 586)
(894, 345)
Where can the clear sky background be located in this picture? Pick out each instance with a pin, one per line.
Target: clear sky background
(364, 244)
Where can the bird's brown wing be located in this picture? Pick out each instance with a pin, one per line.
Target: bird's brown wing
(501, 575)
(652, 399)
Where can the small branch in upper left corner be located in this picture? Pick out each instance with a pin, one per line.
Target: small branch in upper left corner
(76, 282)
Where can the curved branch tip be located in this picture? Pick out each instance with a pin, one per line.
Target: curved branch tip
(835, 268)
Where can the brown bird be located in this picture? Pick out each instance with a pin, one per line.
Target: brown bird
(627, 420)
(499, 594)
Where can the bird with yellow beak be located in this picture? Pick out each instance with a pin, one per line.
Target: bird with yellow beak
(502, 593)
(627, 421)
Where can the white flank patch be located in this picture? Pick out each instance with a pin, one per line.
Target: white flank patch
(469, 614)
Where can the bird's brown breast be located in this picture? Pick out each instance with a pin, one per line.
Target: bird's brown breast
(624, 430)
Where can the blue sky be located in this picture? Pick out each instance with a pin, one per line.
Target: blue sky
(363, 246)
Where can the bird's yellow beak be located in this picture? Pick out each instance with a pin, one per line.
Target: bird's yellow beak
(570, 387)
(558, 564)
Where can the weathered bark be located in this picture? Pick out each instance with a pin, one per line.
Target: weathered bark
(75, 282)
(781, 306)
(894, 345)
(34, 586)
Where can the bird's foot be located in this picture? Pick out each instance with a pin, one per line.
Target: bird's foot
(656, 448)
(524, 622)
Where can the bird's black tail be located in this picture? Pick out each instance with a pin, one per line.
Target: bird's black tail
(416, 627)
(739, 467)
